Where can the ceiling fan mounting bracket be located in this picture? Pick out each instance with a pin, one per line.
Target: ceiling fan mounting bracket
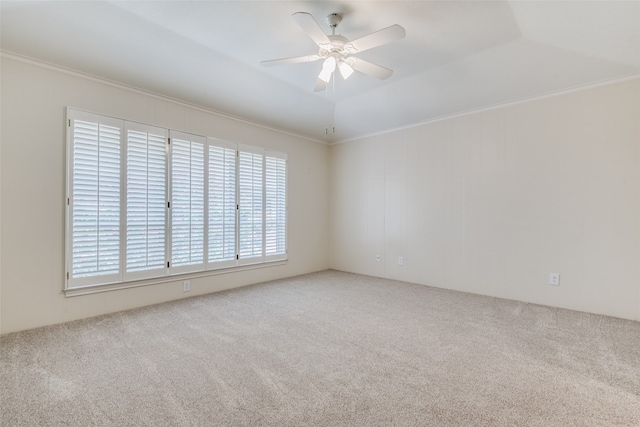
(334, 19)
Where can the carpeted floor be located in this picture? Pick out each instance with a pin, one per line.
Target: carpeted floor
(326, 349)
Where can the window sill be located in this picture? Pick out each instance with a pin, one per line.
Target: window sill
(94, 289)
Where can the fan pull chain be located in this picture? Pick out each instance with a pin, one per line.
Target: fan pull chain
(333, 112)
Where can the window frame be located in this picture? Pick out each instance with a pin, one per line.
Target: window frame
(122, 278)
(192, 139)
(70, 281)
(259, 258)
(282, 255)
(150, 273)
(225, 145)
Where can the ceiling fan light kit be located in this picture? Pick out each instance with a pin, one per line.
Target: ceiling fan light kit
(337, 50)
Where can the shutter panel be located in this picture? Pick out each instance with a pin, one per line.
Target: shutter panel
(275, 206)
(250, 195)
(94, 202)
(187, 202)
(221, 205)
(146, 210)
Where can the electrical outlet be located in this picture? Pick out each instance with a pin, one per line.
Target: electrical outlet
(554, 279)
(400, 260)
(378, 257)
(186, 285)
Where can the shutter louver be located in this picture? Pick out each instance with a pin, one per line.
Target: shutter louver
(187, 203)
(222, 206)
(146, 202)
(95, 202)
(275, 215)
(251, 205)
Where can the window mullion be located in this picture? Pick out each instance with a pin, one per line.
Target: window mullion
(237, 206)
(123, 204)
(264, 206)
(167, 204)
(206, 203)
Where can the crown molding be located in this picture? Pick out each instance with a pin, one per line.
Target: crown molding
(496, 106)
(118, 85)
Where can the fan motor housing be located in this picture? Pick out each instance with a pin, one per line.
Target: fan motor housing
(337, 49)
(338, 41)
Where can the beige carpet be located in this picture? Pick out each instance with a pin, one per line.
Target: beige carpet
(326, 349)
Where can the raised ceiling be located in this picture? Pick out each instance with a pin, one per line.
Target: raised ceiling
(457, 56)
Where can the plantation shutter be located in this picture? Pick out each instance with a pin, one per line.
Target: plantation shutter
(140, 205)
(187, 202)
(94, 199)
(146, 201)
(250, 199)
(221, 204)
(275, 206)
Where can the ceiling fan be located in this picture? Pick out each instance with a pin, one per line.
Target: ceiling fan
(337, 51)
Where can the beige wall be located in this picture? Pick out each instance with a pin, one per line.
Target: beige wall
(34, 100)
(489, 203)
(493, 202)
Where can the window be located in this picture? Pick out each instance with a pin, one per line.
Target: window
(250, 194)
(187, 202)
(146, 202)
(146, 197)
(222, 204)
(94, 201)
(275, 205)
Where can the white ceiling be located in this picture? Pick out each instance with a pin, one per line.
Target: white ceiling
(457, 56)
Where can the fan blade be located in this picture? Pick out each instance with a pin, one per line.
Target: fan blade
(296, 60)
(371, 69)
(311, 27)
(321, 86)
(384, 36)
